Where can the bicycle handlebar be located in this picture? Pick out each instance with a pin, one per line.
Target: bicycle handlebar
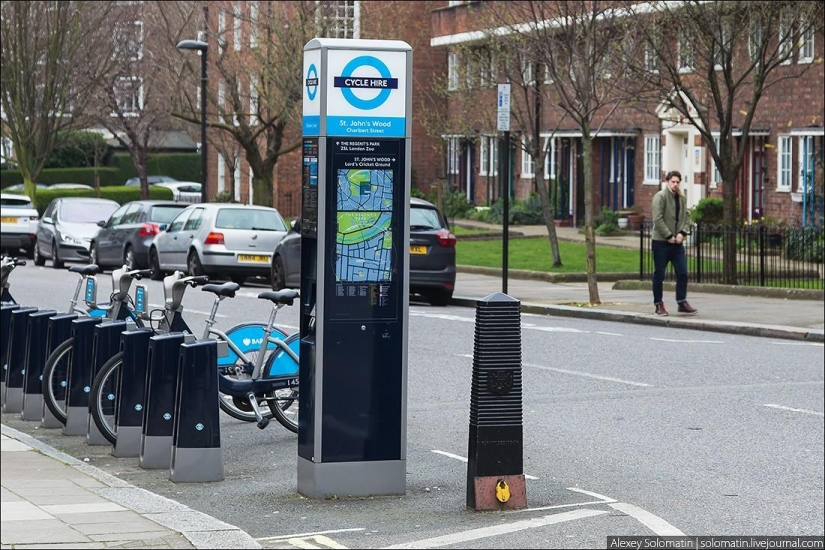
(143, 273)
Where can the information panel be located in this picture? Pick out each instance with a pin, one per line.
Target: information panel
(366, 233)
(309, 188)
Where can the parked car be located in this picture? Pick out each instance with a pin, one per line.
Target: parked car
(126, 236)
(18, 224)
(21, 187)
(432, 255)
(184, 191)
(70, 186)
(151, 179)
(218, 239)
(67, 227)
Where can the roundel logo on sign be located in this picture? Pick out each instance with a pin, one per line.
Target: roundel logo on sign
(312, 82)
(348, 82)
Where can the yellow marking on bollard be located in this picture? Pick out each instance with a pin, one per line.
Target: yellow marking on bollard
(502, 491)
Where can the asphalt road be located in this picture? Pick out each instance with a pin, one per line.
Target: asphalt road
(628, 429)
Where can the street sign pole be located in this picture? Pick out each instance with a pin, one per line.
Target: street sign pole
(504, 126)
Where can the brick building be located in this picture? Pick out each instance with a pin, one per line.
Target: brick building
(635, 147)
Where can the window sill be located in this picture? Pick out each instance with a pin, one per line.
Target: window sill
(651, 182)
(783, 189)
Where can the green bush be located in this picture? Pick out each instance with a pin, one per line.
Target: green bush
(48, 176)
(120, 194)
(78, 151)
(521, 212)
(709, 210)
(804, 243)
(223, 196)
(181, 166)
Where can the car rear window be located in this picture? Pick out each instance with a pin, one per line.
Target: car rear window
(10, 202)
(165, 213)
(86, 212)
(425, 218)
(247, 218)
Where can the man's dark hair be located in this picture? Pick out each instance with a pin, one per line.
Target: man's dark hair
(673, 173)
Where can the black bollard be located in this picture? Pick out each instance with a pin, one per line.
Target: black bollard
(131, 392)
(34, 362)
(60, 330)
(105, 345)
(79, 376)
(18, 328)
(5, 325)
(196, 438)
(159, 400)
(495, 477)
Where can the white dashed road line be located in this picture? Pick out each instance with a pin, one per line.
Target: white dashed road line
(496, 530)
(688, 341)
(462, 459)
(591, 494)
(652, 522)
(803, 411)
(307, 535)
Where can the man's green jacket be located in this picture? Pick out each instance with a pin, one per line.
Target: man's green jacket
(665, 224)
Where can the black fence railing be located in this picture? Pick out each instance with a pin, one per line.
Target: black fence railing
(790, 257)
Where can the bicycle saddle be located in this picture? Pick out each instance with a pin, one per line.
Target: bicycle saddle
(226, 289)
(91, 269)
(285, 296)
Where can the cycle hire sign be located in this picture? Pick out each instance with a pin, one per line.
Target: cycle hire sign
(366, 93)
(312, 97)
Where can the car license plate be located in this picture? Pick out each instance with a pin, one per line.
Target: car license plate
(418, 249)
(253, 259)
(9, 220)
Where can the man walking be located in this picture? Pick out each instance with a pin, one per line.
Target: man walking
(670, 227)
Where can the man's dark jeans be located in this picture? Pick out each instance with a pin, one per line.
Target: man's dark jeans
(664, 253)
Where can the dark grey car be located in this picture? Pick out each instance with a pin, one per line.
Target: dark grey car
(126, 236)
(67, 228)
(432, 255)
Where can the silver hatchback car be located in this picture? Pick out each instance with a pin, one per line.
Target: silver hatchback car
(231, 240)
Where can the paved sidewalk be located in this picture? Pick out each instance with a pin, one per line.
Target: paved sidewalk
(52, 500)
(632, 301)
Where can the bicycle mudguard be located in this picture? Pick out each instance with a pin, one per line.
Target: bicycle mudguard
(247, 337)
(280, 363)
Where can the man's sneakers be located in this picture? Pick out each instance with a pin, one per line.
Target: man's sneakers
(661, 311)
(684, 307)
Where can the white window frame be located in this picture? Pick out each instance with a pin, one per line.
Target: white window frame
(801, 183)
(254, 16)
(715, 176)
(131, 113)
(483, 156)
(754, 39)
(249, 199)
(238, 177)
(651, 65)
(784, 163)
(222, 29)
(726, 38)
(222, 100)
(527, 75)
(686, 55)
(528, 164)
(221, 173)
(253, 100)
(652, 160)
(452, 71)
(235, 118)
(237, 28)
(336, 30)
(550, 158)
(806, 44)
(451, 3)
(786, 36)
(453, 150)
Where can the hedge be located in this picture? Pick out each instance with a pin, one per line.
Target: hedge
(181, 166)
(108, 176)
(120, 194)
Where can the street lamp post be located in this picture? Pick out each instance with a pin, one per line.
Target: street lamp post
(202, 47)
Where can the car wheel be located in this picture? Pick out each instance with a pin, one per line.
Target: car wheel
(38, 258)
(278, 275)
(238, 279)
(440, 297)
(129, 258)
(56, 263)
(154, 265)
(194, 264)
(93, 259)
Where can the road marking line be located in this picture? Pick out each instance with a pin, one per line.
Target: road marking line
(609, 333)
(656, 524)
(462, 459)
(299, 535)
(592, 494)
(496, 530)
(688, 341)
(326, 541)
(557, 329)
(588, 375)
(195, 311)
(817, 344)
(574, 372)
(300, 543)
(557, 506)
(804, 411)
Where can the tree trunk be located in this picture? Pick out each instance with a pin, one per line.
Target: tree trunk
(30, 188)
(548, 212)
(729, 221)
(144, 181)
(589, 232)
(262, 191)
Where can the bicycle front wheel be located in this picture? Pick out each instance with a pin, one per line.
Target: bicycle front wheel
(103, 399)
(56, 379)
(284, 402)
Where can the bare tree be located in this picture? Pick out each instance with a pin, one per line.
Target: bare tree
(724, 57)
(52, 55)
(259, 83)
(230, 151)
(586, 48)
